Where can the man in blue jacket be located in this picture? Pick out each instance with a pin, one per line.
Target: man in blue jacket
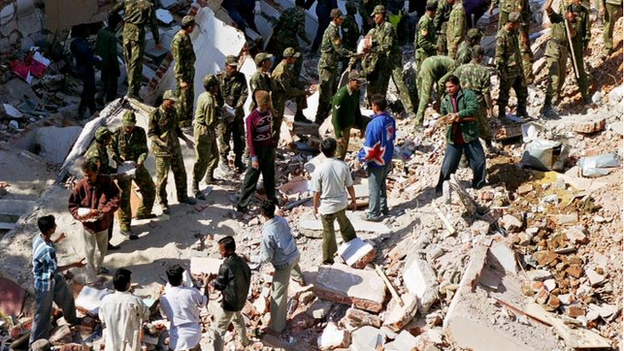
(377, 153)
(459, 108)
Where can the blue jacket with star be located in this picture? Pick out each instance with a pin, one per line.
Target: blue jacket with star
(378, 147)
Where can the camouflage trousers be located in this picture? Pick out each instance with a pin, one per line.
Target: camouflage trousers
(206, 151)
(235, 132)
(556, 74)
(185, 104)
(441, 42)
(611, 14)
(133, 55)
(425, 85)
(483, 122)
(525, 45)
(148, 192)
(582, 80)
(327, 89)
(174, 162)
(380, 79)
(518, 83)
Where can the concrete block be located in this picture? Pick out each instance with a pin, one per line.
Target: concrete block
(505, 255)
(539, 275)
(359, 318)
(56, 142)
(421, 280)
(207, 265)
(333, 338)
(511, 223)
(396, 316)
(595, 279)
(404, 342)
(357, 253)
(367, 339)
(319, 309)
(340, 283)
(589, 127)
(576, 234)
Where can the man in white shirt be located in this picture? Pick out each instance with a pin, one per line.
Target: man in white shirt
(181, 304)
(330, 182)
(123, 315)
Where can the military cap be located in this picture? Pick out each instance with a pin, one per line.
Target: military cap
(209, 80)
(336, 13)
(102, 133)
(188, 21)
(474, 33)
(170, 95)
(261, 57)
(514, 17)
(263, 97)
(231, 60)
(355, 75)
(432, 4)
(129, 118)
(290, 52)
(378, 9)
(351, 5)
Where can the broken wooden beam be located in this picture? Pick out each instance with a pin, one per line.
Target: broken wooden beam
(389, 285)
(447, 224)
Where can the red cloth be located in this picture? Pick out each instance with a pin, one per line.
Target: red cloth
(456, 130)
(103, 196)
(259, 131)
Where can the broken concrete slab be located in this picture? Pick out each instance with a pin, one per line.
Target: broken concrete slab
(505, 256)
(358, 318)
(56, 142)
(319, 309)
(206, 265)
(511, 223)
(340, 283)
(404, 342)
(333, 337)
(357, 253)
(367, 339)
(396, 316)
(421, 280)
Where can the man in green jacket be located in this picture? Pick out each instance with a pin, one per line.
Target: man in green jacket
(459, 108)
(106, 48)
(425, 43)
(346, 112)
(184, 70)
(204, 127)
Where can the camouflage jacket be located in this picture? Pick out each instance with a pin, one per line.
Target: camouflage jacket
(508, 59)
(386, 43)
(558, 42)
(475, 77)
(442, 15)
(98, 154)
(137, 15)
(291, 25)
(285, 81)
(456, 27)
(425, 36)
(509, 6)
(464, 54)
(129, 147)
(233, 91)
(164, 132)
(436, 67)
(332, 48)
(260, 81)
(184, 57)
(207, 110)
(350, 33)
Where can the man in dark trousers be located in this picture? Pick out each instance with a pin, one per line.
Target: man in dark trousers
(85, 63)
(233, 281)
(346, 112)
(460, 108)
(106, 48)
(261, 146)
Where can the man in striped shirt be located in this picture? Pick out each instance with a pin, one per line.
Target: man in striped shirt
(50, 285)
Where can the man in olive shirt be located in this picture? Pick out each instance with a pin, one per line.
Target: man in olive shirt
(204, 132)
(346, 112)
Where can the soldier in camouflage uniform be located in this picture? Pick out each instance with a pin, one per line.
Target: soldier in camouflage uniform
(204, 125)
(98, 154)
(164, 132)
(509, 66)
(331, 52)
(261, 79)
(286, 86)
(443, 13)
(425, 39)
(290, 27)
(184, 70)
(350, 31)
(130, 144)
(612, 10)
(233, 93)
(365, 9)
(464, 54)
(476, 77)
(385, 45)
(137, 15)
(456, 29)
(524, 9)
(434, 69)
(580, 41)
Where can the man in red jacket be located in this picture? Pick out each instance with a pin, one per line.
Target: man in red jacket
(93, 202)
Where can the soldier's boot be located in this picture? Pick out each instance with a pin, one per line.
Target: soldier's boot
(210, 179)
(522, 112)
(547, 109)
(198, 194)
(502, 115)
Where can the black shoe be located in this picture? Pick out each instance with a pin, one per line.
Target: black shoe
(146, 216)
(199, 195)
(133, 236)
(112, 247)
(438, 191)
(241, 209)
(189, 201)
(299, 117)
(165, 209)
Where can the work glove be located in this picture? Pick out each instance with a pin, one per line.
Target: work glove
(257, 9)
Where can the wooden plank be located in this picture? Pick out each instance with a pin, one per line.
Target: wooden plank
(389, 285)
(447, 224)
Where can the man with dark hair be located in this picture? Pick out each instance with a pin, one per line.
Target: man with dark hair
(180, 305)
(106, 48)
(329, 181)
(50, 285)
(459, 108)
(122, 314)
(279, 247)
(346, 112)
(509, 66)
(261, 79)
(425, 38)
(377, 152)
(261, 146)
(93, 202)
(233, 281)
(184, 70)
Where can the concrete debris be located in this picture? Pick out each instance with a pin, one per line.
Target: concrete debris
(340, 283)
(367, 339)
(356, 253)
(358, 318)
(396, 316)
(333, 338)
(404, 342)
(421, 280)
(505, 256)
(589, 127)
(319, 309)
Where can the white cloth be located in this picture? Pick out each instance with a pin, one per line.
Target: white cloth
(331, 179)
(122, 314)
(181, 306)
